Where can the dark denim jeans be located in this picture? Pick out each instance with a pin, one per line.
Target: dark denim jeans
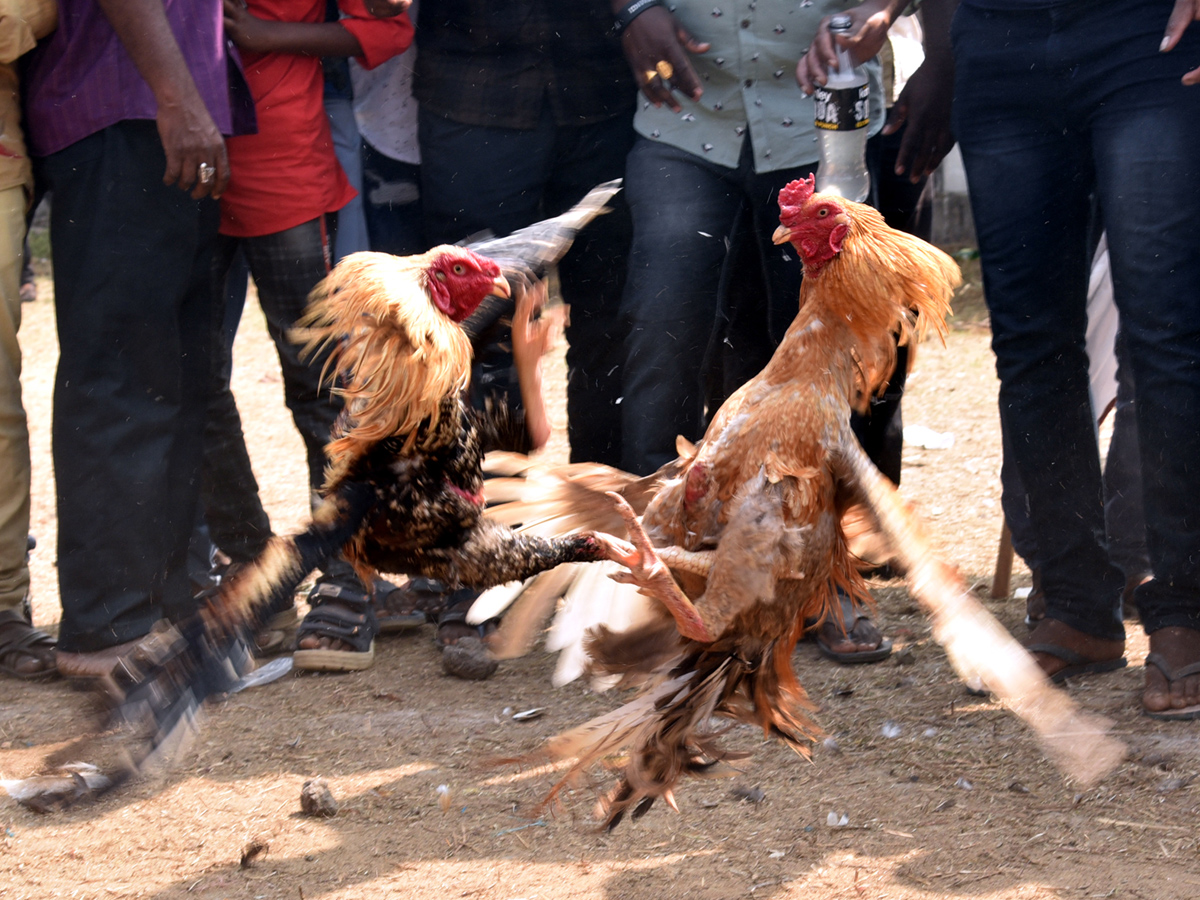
(1051, 106)
(500, 179)
(690, 219)
(1124, 516)
(286, 266)
(392, 203)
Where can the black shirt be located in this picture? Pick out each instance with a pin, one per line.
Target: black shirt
(483, 62)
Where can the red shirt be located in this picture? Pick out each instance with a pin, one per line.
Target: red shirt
(287, 174)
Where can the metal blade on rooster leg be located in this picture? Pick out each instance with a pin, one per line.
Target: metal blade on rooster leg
(977, 645)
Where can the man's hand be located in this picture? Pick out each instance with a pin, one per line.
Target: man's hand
(925, 105)
(189, 136)
(870, 23)
(535, 328)
(248, 32)
(191, 140)
(655, 44)
(1184, 14)
(385, 9)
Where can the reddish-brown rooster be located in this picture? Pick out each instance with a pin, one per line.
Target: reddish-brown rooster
(742, 541)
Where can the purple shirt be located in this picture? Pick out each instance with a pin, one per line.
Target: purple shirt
(81, 80)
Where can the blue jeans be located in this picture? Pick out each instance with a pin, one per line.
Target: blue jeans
(477, 178)
(1124, 517)
(351, 234)
(1053, 105)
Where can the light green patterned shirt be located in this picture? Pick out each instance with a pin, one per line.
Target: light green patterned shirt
(749, 81)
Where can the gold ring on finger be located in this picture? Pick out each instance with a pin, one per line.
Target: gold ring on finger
(664, 69)
(650, 75)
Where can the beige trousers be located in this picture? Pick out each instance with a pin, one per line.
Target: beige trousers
(14, 434)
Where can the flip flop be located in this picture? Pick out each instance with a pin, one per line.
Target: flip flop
(1173, 715)
(1076, 663)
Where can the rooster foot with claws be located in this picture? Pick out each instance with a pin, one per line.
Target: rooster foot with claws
(652, 577)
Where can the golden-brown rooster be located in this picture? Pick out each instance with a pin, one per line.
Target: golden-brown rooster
(742, 540)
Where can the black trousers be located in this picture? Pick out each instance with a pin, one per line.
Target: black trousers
(501, 179)
(133, 291)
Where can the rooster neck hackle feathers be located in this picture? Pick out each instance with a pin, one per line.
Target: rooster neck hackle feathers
(394, 355)
(883, 288)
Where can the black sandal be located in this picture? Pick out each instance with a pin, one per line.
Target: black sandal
(394, 606)
(343, 615)
(459, 617)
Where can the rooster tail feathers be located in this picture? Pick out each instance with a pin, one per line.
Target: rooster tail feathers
(976, 644)
(163, 684)
(392, 355)
(667, 734)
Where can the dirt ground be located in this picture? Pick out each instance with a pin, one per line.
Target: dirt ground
(945, 795)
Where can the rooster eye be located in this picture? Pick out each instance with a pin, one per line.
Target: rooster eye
(439, 275)
(822, 212)
(459, 269)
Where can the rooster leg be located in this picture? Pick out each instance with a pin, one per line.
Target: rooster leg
(653, 578)
(694, 562)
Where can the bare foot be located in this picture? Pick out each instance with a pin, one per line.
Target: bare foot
(1179, 650)
(314, 642)
(1091, 649)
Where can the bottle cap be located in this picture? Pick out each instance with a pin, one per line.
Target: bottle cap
(841, 24)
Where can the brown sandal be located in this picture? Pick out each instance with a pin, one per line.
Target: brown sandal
(20, 641)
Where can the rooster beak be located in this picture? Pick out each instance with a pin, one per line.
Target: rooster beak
(782, 235)
(501, 288)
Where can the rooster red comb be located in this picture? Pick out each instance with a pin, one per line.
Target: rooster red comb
(794, 195)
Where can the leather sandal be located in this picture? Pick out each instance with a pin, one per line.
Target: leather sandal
(344, 615)
(278, 635)
(851, 616)
(20, 641)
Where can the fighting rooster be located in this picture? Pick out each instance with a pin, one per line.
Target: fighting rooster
(404, 487)
(742, 541)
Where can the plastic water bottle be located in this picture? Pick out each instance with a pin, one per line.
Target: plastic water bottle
(842, 117)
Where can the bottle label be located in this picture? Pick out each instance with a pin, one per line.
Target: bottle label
(842, 109)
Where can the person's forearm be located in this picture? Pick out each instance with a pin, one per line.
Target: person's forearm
(893, 8)
(142, 27)
(537, 421)
(308, 39)
(936, 16)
